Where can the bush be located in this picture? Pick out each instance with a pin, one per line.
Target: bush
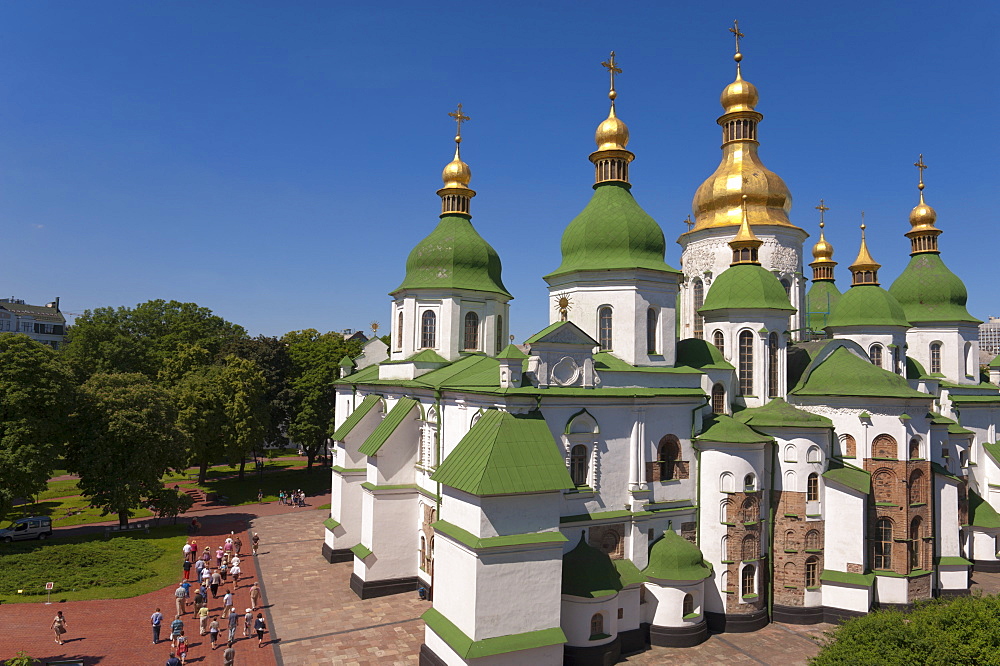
(963, 630)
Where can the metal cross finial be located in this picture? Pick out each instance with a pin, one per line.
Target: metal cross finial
(689, 223)
(921, 166)
(736, 31)
(613, 69)
(822, 209)
(459, 119)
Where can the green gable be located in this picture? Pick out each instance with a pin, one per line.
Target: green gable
(779, 414)
(505, 453)
(993, 448)
(672, 557)
(850, 476)
(355, 416)
(844, 373)
(981, 514)
(746, 287)
(722, 428)
(929, 292)
(511, 352)
(867, 305)
(995, 363)
(466, 648)
(388, 425)
(701, 354)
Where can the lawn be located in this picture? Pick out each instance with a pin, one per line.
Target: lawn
(64, 488)
(69, 511)
(84, 568)
(313, 482)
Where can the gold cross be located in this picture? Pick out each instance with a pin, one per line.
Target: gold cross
(920, 165)
(689, 223)
(459, 119)
(736, 31)
(822, 209)
(612, 68)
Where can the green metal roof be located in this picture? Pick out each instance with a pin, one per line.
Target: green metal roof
(779, 414)
(505, 453)
(701, 354)
(672, 557)
(914, 370)
(723, 428)
(867, 305)
(938, 419)
(821, 298)
(746, 287)
(993, 448)
(608, 362)
(850, 476)
(929, 292)
(843, 373)
(388, 426)
(355, 416)
(981, 514)
(995, 363)
(628, 572)
(974, 399)
(832, 576)
(612, 232)
(511, 352)
(573, 331)
(468, 649)
(454, 256)
(588, 572)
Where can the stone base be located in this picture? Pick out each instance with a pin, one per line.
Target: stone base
(429, 658)
(634, 640)
(737, 624)
(368, 589)
(836, 615)
(797, 614)
(986, 566)
(337, 555)
(598, 655)
(953, 593)
(686, 636)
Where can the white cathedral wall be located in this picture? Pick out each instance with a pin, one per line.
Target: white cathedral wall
(984, 545)
(518, 591)
(519, 514)
(957, 362)
(946, 527)
(892, 590)
(886, 336)
(732, 323)
(385, 518)
(843, 536)
(455, 594)
(345, 508)
(450, 307)
(847, 597)
(577, 613)
(884, 418)
(669, 597)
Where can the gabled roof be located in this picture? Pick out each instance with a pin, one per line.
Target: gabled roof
(608, 362)
(981, 514)
(505, 453)
(511, 352)
(993, 448)
(562, 332)
(722, 428)
(995, 363)
(388, 425)
(845, 373)
(779, 414)
(850, 476)
(355, 416)
(701, 354)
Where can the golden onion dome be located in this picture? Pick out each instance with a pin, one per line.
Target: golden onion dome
(822, 250)
(612, 134)
(739, 95)
(457, 173)
(922, 216)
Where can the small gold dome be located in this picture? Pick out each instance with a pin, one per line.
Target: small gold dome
(457, 173)
(922, 216)
(739, 95)
(822, 250)
(612, 134)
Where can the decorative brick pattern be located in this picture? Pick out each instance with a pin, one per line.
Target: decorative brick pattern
(900, 494)
(797, 541)
(608, 539)
(743, 513)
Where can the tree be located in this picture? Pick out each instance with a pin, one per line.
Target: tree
(201, 416)
(170, 503)
(271, 356)
(124, 440)
(244, 388)
(36, 397)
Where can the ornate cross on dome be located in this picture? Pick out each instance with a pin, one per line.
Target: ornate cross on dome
(689, 223)
(613, 69)
(921, 166)
(736, 31)
(459, 119)
(822, 209)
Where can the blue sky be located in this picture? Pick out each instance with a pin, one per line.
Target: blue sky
(276, 162)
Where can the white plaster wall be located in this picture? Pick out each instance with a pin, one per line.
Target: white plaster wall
(848, 597)
(450, 306)
(353, 459)
(461, 509)
(455, 595)
(393, 464)
(884, 418)
(345, 508)
(984, 545)
(577, 613)
(551, 655)
(389, 518)
(732, 323)
(628, 601)
(500, 610)
(843, 543)
(953, 578)
(866, 336)
(946, 517)
(519, 514)
(952, 338)
(891, 590)
(670, 602)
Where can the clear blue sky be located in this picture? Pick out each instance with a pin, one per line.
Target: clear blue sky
(276, 162)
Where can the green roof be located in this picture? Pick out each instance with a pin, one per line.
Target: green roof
(701, 354)
(993, 448)
(422, 356)
(973, 399)
(850, 476)
(722, 428)
(957, 429)
(914, 370)
(608, 362)
(387, 426)
(952, 561)
(995, 363)
(832, 576)
(779, 414)
(346, 362)
(929, 292)
(746, 287)
(844, 373)
(355, 416)
(481, 543)
(867, 305)
(938, 419)
(629, 573)
(506, 453)
(821, 298)
(672, 557)
(588, 572)
(612, 232)
(454, 256)
(466, 648)
(360, 550)
(573, 330)
(981, 514)
(511, 352)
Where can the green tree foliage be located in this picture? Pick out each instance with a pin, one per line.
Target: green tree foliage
(201, 416)
(271, 355)
(140, 339)
(315, 358)
(244, 390)
(21, 659)
(36, 395)
(170, 503)
(124, 439)
(962, 630)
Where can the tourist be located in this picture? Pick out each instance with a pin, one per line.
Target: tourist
(281, 497)
(227, 604)
(59, 626)
(199, 600)
(173, 660)
(247, 621)
(260, 627)
(213, 632)
(156, 619)
(203, 613)
(195, 526)
(237, 544)
(228, 546)
(255, 595)
(206, 555)
(176, 629)
(229, 656)
(187, 549)
(236, 575)
(234, 618)
(206, 576)
(219, 552)
(187, 568)
(180, 596)
(198, 566)
(260, 495)
(235, 562)
(214, 585)
(224, 571)
(182, 647)
(194, 550)
(256, 542)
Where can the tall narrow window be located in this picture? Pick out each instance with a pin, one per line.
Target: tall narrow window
(883, 544)
(895, 359)
(471, 340)
(499, 334)
(698, 287)
(772, 365)
(718, 399)
(671, 466)
(428, 328)
(749, 483)
(812, 488)
(578, 465)
(935, 358)
(915, 448)
(747, 580)
(812, 571)
(651, 320)
(746, 363)
(597, 625)
(719, 340)
(915, 544)
(604, 324)
(788, 287)
(917, 487)
(875, 353)
(399, 330)
(848, 446)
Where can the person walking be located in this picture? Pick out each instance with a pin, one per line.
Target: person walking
(182, 648)
(237, 544)
(255, 595)
(194, 550)
(218, 555)
(227, 604)
(235, 571)
(187, 549)
(180, 599)
(203, 620)
(199, 601)
(176, 629)
(156, 619)
(187, 569)
(256, 542)
(206, 576)
(260, 495)
(59, 626)
(172, 660)
(247, 622)
(199, 565)
(206, 554)
(260, 627)
(224, 571)
(216, 582)
(234, 619)
(213, 632)
(229, 656)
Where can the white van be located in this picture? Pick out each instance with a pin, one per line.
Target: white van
(39, 527)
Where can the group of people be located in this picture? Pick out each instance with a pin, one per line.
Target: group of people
(293, 498)
(212, 581)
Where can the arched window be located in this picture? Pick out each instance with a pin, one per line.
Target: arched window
(719, 340)
(748, 580)
(812, 571)
(725, 547)
(790, 578)
(726, 582)
(884, 446)
(746, 363)
(670, 463)
(875, 354)
(935, 358)
(499, 334)
(812, 540)
(916, 489)
(750, 549)
(772, 365)
(597, 625)
(883, 544)
(914, 448)
(814, 455)
(471, 331)
(750, 510)
(724, 510)
(788, 287)
(578, 464)
(791, 543)
(895, 358)
(687, 608)
(791, 453)
(727, 483)
(428, 328)
(915, 545)
(604, 327)
(749, 483)
(848, 446)
(883, 482)
(718, 399)
(399, 330)
(812, 488)
(651, 319)
(698, 287)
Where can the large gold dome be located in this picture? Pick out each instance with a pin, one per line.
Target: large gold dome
(456, 173)
(612, 134)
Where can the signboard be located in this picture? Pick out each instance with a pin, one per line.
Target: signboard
(49, 586)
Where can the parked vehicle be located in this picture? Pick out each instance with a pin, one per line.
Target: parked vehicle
(38, 527)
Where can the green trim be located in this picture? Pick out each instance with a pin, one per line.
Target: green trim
(692, 616)
(779, 414)
(601, 515)
(834, 576)
(480, 543)
(916, 573)
(466, 648)
(605, 361)
(599, 637)
(355, 416)
(750, 596)
(952, 561)
(388, 426)
(360, 551)
(347, 470)
(971, 399)
(330, 524)
(367, 485)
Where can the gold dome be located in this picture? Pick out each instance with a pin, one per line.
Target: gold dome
(864, 260)
(739, 95)
(612, 134)
(822, 250)
(922, 216)
(457, 173)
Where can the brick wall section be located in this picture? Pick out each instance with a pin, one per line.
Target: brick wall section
(920, 588)
(790, 534)
(738, 531)
(894, 484)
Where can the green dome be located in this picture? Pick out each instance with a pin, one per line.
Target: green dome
(746, 287)
(928, 291)
(588, 572)
(454, 256)
(612, 232)
(821, 299)
(673, 557)
(867, 305)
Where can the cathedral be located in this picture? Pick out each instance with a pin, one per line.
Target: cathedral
(709, 448)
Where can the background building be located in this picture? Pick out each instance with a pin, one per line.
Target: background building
(44, 323)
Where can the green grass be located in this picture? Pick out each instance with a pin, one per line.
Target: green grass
(85, 568)
(323, 506)
(238, 492)
(65, 488)
(69, 511)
